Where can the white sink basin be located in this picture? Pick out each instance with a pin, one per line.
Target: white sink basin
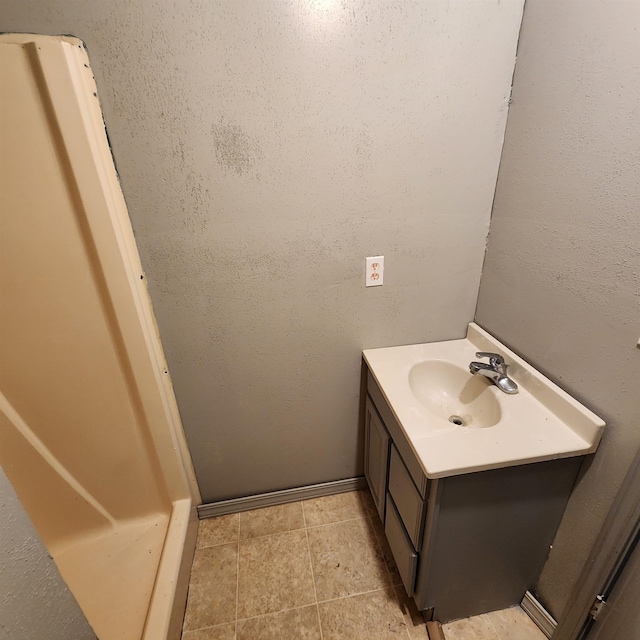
(450, 392)
(457, 422)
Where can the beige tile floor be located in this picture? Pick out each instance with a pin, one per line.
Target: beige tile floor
(313, 570)
(508, 624)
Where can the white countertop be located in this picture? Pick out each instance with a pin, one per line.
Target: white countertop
(540, 422)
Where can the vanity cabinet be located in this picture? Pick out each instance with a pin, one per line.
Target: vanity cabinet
(464, 544)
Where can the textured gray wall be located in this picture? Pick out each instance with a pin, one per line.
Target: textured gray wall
(34, 600)
(561, 280)
(265, 148)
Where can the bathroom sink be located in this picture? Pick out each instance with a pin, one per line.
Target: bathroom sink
(451, 393)
(457, 422)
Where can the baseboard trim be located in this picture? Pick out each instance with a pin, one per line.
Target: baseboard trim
(538, 614)
(236, 505)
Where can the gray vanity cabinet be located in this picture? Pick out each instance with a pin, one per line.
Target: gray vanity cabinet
(465, 544)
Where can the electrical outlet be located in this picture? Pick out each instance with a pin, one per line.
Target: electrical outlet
(374, 273)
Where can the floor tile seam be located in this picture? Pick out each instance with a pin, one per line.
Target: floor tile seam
(319, 621)
(313, 578)
(406, 628)
(270, 535)
(274, 613)
(313, 575)
(498, 636)
(328, 524)
(353, 595)
(210, 626)
(219, 544)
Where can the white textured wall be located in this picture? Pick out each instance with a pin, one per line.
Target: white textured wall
(561, 281)
(34, 600)
(265, 148)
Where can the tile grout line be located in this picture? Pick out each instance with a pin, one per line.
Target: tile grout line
(327, 524)
(304, 606)
(220, 625)
(275, 533)
(272, 613)
(354, 595)
(313, 578)
(279, 533)
(495, 631)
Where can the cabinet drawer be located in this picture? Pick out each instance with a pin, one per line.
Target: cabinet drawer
(407, 498)
(403, 552)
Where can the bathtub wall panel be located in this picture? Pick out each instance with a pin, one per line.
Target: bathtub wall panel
(59, 508)
(65, 376)
(90, 436)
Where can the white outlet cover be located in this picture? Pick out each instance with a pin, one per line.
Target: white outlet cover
(374, 271)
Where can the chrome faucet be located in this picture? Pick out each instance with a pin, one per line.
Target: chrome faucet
(496, 371)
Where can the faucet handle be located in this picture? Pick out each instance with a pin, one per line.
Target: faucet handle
(493, 357)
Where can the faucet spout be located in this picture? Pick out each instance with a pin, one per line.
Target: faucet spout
(496, 371)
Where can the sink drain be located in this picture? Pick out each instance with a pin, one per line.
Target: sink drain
(461, 421)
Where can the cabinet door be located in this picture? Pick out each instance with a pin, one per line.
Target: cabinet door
(376, 456)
